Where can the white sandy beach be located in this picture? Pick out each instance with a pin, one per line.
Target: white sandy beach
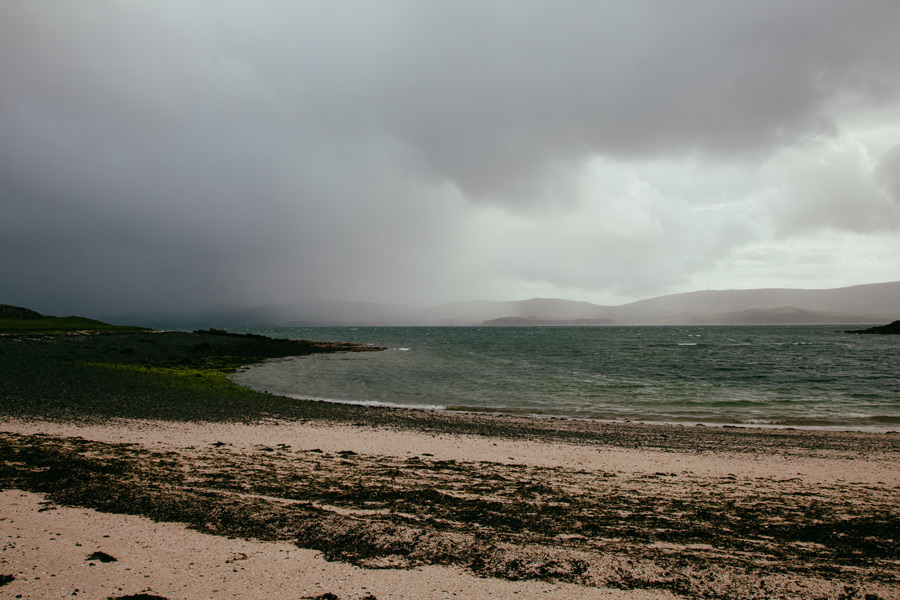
(47, 550)
(46, 547)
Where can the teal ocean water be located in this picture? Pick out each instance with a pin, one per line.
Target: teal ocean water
(804, 376)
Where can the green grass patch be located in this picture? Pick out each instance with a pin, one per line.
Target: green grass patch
(62, 324)
(206, 381)
(154, 375)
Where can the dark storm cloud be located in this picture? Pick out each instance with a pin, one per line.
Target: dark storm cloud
(168, 153)
(488, 99)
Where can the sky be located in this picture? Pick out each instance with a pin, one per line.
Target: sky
(173, 155)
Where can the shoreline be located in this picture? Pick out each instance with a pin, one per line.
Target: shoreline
(490, 412)
(812, 461)
(390, 503)
(846, 401)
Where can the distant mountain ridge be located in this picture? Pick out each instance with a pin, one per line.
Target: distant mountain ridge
(876, 303)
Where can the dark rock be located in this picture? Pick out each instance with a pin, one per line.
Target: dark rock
(892, 329)
(222, 332)
(102, 557)
(4, 579)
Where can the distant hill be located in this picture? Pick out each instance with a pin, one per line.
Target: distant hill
(316, 313)
(18, 313)
(862, 304)
(872, 303)
(18, 320)
(538, 322)
(786, 315)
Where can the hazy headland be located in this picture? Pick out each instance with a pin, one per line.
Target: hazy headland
(871, 303)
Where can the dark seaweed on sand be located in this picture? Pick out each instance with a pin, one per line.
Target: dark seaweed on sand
(693, 535)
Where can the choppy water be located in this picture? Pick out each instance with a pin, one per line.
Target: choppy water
(808, 376)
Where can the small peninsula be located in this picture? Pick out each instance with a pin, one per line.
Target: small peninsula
(890, 329)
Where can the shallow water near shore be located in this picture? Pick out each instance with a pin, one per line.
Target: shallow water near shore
(799, 376)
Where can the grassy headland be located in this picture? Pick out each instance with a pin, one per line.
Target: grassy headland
(61, 325)
(153, 375)
(17, 321)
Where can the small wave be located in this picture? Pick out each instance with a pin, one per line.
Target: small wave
(479, 409)
(367, 402)
(402, 349)
(687, 343)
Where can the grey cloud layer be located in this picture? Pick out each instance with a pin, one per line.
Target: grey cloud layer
(169, 153)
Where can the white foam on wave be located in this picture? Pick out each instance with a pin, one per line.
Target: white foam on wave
(366, 402)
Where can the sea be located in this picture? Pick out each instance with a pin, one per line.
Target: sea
(765, 376)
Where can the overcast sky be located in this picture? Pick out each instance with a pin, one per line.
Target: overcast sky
(191, 154)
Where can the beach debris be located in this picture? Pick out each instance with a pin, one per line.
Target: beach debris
(102, 557)
(138, 597)
(4, 579)
(236, 557)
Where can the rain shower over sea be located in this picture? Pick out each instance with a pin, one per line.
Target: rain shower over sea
(798, 376)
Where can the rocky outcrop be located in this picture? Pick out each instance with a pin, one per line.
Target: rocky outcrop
(892, 329)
